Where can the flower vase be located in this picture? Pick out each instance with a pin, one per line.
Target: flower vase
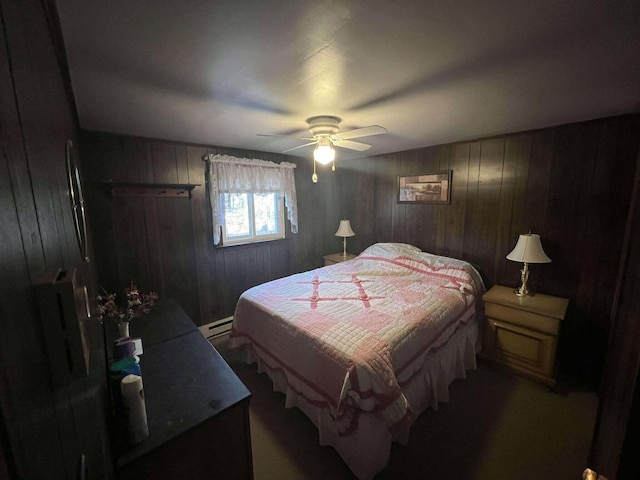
(123, 329)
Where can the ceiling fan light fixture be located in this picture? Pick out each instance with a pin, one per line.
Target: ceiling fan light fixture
(324, 152)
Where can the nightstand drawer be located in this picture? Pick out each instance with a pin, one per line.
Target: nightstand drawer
(525, 319)
(525, 350)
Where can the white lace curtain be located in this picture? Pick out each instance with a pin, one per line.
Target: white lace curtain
(227, 174)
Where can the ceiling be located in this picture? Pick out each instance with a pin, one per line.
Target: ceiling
(221, 72)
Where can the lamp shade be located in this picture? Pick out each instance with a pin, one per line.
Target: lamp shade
(528, 250)
(344, 230)
(324, 152)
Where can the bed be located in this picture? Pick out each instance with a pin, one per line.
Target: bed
(364, 346)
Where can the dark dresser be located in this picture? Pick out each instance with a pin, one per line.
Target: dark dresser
(197, 408)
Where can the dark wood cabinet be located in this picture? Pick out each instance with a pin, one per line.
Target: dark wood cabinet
(197, 408)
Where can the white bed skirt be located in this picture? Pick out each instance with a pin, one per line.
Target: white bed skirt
(367, 450)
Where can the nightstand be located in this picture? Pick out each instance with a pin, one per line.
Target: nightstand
(521, 333)
(337, 258)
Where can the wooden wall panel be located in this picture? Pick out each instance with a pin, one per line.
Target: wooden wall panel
(453, 244)
(620, 380)
(166, 244)
(363, 205)
(514, 177)
(163, 155)
(473, 222)
(178, 259)
(570, 177)
(444, 163)
(538, 180)
(571, 184)
(487, 208)
(204, 254)
(308, 198)
(48, 427)
(385, 195)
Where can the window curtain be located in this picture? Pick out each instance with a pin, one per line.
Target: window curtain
(227, 174)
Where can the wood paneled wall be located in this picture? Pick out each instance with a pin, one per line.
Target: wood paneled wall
(166, 244)
(571, 184)
(47, 428)
(614, 451)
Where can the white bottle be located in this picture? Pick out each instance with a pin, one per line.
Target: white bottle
(134, 407)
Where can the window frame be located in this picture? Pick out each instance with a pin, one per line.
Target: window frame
(226, 173)
(253, 237)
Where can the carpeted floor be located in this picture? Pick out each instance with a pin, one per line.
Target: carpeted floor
(495, 427)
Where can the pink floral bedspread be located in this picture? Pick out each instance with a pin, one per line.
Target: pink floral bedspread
(348, 336)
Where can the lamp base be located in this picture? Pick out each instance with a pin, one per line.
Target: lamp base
(523, 293)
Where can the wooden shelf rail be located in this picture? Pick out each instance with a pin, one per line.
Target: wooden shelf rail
(177, 190)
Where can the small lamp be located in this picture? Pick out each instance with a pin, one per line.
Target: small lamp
(344, 231)
(527, 250)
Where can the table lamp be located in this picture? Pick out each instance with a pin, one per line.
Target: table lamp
(527, 250)
(344, 231)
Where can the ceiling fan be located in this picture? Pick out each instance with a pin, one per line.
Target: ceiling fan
(325, 134)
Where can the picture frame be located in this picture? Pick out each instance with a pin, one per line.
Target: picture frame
(76, 199)
(425, 188)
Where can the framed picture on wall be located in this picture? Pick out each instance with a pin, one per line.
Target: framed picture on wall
(77, 200)
(425, 188)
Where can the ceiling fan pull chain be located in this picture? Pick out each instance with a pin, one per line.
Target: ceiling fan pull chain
(314, 177)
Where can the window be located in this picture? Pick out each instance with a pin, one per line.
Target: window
(251, 217)
(248, 199)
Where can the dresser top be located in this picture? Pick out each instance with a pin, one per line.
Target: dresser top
(166, 320)
(186, 382)
(548, 305)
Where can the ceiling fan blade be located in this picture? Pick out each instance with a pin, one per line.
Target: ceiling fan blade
(299, 146)
(284, 136)
(361, 147)
(362, 132)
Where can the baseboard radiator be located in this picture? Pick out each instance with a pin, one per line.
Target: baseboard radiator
(217, 328)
